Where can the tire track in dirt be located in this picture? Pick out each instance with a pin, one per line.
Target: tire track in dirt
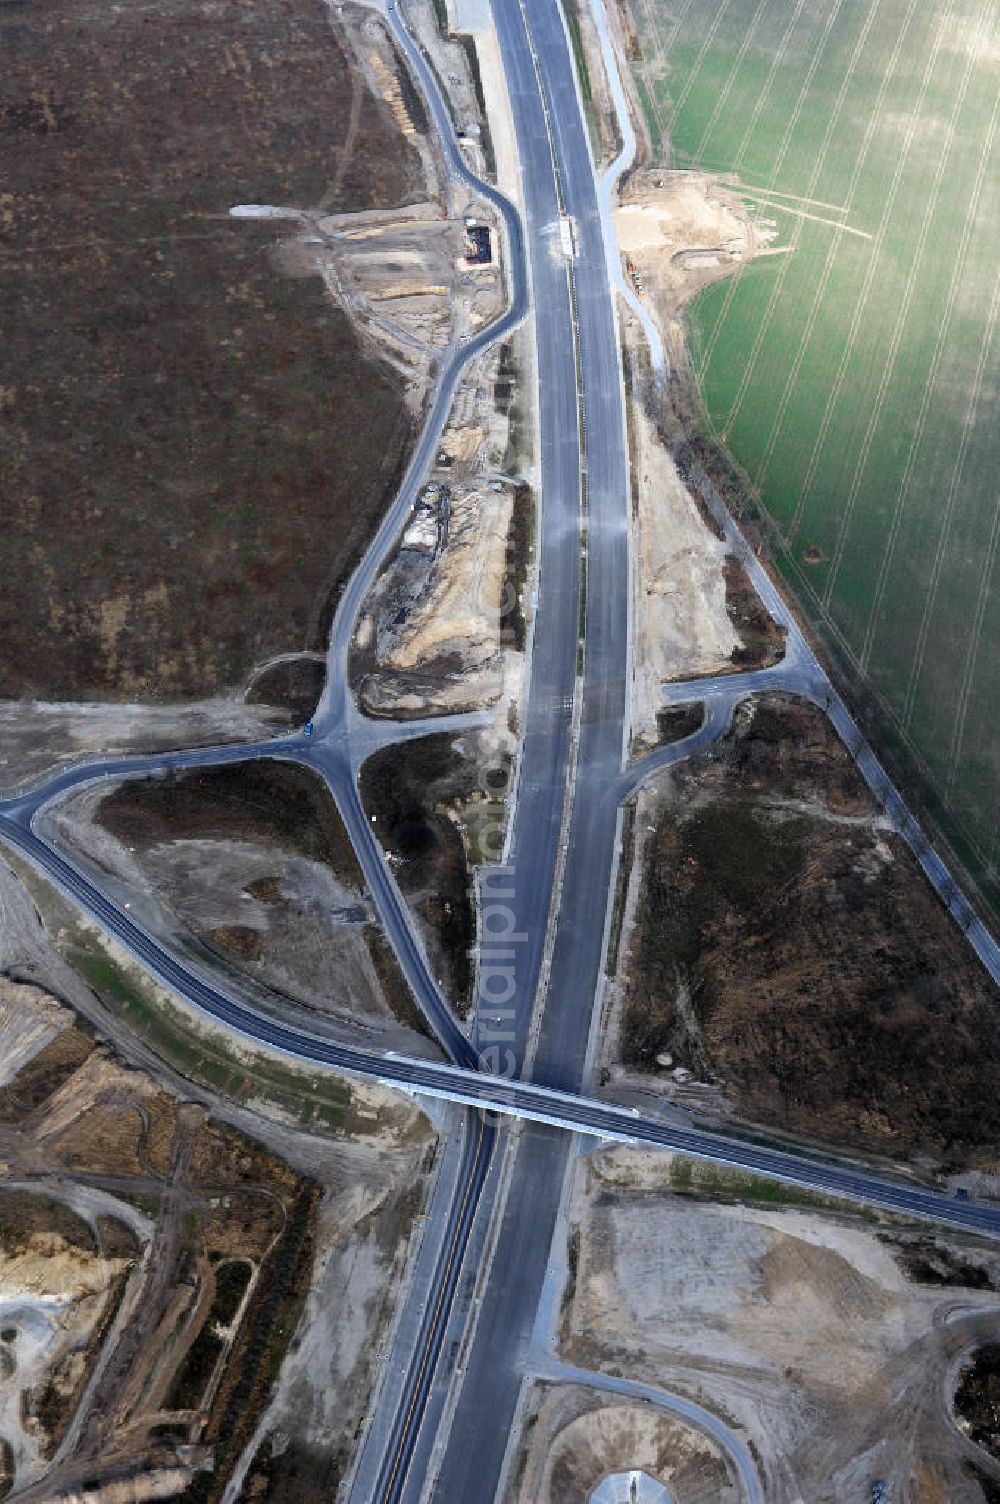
(874, 121)
(944, 328)
(350, 142)
(737, 64)
(944, 536)
(779, 285)
(902, 317)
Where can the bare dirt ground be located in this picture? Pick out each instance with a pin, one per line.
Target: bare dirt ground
(57, 1289)
(30, 1021)
(782, 945)
(223, 1234)
(800, 1328)
(444, 626)
(406, 279)
(253, 862)
(303, 1446)
(977, 1398)
(35, 736)
(579, 1437)
(696, 611)
(682, 627)
(313, 220)
(113, 1341)
(45, 941)
(679, 231)
(130, 289)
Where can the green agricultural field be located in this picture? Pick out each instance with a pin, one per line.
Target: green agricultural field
(854, 376)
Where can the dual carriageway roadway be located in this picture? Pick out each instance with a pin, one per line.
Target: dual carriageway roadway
(584, 534)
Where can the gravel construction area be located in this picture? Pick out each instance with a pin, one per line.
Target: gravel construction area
(250, 864)
(576, 1438)
(141, 1210)
(827, 1341)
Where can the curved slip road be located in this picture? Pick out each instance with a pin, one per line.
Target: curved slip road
(607, 188)
(558, 176)
(518, 897)
(557, 1110)
(566, 1373)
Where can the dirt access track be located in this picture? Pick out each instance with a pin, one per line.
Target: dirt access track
(155, 1264)
(197, 448)
(90, 1125)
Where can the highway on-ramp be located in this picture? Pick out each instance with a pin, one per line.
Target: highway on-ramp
(584, 536)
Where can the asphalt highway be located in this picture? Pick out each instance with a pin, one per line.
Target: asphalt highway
(518, 899)
(334, 707)
(525, 1099)
(393, 1469)
(537, 61)
(584, 484)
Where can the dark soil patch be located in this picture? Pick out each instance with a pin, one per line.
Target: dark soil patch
(118, 1241)
(231, 1280)
(167, 393)
(989, 1486)
(298, 1473)
(977, 1399)
(24, 1215)
(678, 721)
(294, 686)
(804, 961)
(928, 1262)
(46, 1072)
(188, 1384)
(266, 890)
(520, 544)
(405, 788)
(262, 800)
(394, 986)
(238, 940)
(261, 1343)
(762, 640)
